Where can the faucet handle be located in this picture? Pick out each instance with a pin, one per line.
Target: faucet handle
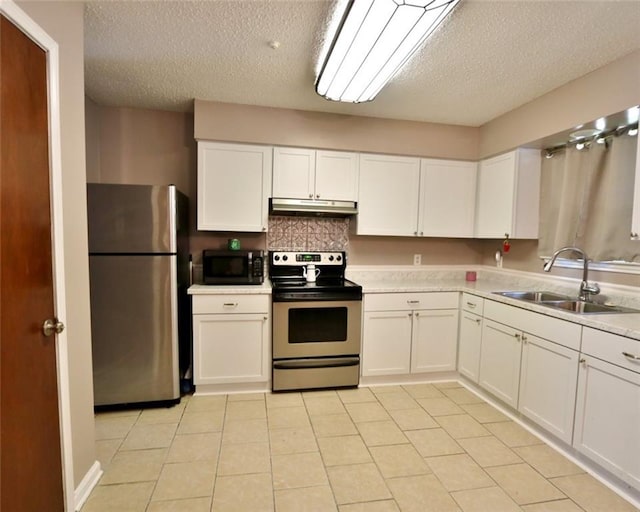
(587, 289)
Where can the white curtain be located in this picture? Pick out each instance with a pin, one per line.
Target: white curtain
(586, 200)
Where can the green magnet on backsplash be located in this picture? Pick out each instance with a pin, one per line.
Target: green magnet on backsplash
(233, 244)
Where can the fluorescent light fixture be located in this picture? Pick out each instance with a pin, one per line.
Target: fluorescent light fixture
(376, 38)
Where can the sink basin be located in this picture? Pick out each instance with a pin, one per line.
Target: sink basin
(535, 296)
(566, 303)
(578, 306)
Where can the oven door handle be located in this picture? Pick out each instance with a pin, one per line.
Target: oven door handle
(333, 362)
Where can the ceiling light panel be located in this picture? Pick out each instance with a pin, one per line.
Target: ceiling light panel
(376, 39)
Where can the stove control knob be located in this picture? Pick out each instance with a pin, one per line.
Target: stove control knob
(338, 257)
(285, 258)
(276, 257)
(330, 258)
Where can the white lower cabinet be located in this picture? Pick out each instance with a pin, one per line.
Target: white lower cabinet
(387, 343)
(231, 339)
(607, 423)
(469, 345)
(531, 364)
(409, 333)
(500, 361)
(470, 337)
(433, 344)
(548, 385)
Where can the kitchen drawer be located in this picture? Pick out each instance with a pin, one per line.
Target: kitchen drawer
(611, 347)
(559, 331)
(404, 301)
(213, 304)
(472, 304)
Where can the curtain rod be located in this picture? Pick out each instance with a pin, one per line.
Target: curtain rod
(600, 137)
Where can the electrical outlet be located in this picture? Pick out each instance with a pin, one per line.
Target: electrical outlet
(417, 259)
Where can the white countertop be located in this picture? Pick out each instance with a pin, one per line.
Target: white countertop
(238, 289)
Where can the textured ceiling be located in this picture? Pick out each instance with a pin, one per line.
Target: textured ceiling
(488, 57)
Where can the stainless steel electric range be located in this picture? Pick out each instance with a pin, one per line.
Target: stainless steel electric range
(317, 319)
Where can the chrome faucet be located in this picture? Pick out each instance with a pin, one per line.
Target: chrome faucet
(586, 289)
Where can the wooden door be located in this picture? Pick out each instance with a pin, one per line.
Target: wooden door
(30, 454)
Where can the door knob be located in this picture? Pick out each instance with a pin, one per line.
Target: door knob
(51, 326)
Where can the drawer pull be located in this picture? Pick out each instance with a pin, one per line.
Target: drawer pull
(471, 304)
(230, 304)
(631, 356)
(413, 302)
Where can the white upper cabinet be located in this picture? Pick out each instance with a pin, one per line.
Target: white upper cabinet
(635, 219)
(447, 198)
(294, 171)
(337, 175)
(508, 195)
(407, 196)
(300, 173)
(233, 186)
(388, 195)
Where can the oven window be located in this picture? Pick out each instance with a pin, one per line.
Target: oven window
(312, 325)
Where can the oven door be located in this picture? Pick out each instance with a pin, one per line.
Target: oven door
(316, 328)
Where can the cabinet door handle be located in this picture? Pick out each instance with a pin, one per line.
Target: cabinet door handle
(317, 196)
(517, 337)
(631, 356)
(524, 338)
(409, 314)
(421, 233)
(634, 235)
(471, 305)
(478, 321)
(417, 314)
(265, 318)
(415, 233)
(230, 304)
(583, 361)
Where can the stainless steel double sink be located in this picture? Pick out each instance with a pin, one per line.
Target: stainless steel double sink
(565, 302)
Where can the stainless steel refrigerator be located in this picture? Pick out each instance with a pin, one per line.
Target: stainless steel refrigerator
(139, 275)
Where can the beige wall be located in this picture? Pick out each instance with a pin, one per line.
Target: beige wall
(92, 118)
(286, 127)
(605, 91)
(140, 146)
(397, 250)
(64, 22)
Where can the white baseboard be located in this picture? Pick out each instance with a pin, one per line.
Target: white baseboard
(90, 480)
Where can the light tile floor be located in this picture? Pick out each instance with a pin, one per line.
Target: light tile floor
(427, 447)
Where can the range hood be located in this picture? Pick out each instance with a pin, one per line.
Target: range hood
(312, 207)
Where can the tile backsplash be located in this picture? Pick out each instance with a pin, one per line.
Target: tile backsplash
(292, 233)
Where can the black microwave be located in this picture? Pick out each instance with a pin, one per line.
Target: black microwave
(232, 267)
